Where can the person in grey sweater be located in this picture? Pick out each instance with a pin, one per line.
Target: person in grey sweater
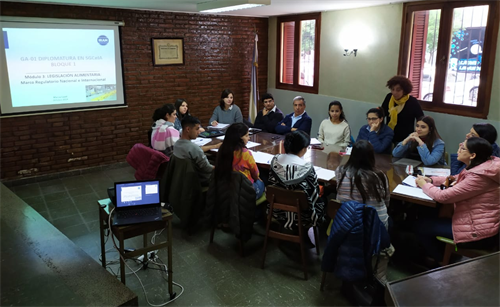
(227, 112)
(185, 149)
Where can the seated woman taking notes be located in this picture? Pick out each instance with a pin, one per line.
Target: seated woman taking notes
(474, 193)
(335, 130)
(234, 156)
(376, 132)
(291, 172)
(227, 112)
(424, 144)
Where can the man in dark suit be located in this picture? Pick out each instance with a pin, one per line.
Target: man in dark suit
(298, 120)
(270, 116)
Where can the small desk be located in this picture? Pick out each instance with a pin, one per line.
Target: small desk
(470, 283)
(125, 232)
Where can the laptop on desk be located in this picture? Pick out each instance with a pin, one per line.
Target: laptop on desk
(137, 202)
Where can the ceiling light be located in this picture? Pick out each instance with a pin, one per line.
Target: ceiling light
(219, 6)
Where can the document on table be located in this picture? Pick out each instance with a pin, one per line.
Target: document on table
(429, 171)
(221, 137)
(324, 174)
(251, 144)
(262, 157)
(315, 141)
(410, 181)
(201, 141)
(406, 161)
(219, 126)
(410, 191)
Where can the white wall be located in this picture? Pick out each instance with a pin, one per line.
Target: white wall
(359, 82)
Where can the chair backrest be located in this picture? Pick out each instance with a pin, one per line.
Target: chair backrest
(332, 207)
(147, 162)
(287, 200)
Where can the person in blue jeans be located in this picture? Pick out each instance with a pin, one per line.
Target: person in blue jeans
(482, 130)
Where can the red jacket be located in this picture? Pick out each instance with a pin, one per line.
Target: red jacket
(146, 161)
(476, 197)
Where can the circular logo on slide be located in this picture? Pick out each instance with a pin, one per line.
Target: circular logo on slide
(103, 40)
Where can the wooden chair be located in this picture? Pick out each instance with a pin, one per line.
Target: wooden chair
(452, 248)
(291, 201)
(258, 202)
(331, 210)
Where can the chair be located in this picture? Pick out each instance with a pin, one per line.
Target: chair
(452, 248)
(147, 162)
(331, 210)
(294, 202)
(233, 203)
(184, 192)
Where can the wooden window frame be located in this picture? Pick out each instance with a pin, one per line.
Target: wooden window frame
(296, 74)
(443, 47)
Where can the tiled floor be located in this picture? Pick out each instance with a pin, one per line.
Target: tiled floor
(211, 274)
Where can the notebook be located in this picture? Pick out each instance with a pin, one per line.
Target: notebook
(137, 202)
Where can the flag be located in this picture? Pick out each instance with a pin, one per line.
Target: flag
(254, 87)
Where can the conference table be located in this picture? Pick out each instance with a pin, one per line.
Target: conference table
(330, 157)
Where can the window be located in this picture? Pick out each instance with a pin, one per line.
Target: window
(297, 61)
(448, 51)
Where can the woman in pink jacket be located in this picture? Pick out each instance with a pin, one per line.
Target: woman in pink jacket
(475, 194)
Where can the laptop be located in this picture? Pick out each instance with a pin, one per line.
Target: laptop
(137, 202)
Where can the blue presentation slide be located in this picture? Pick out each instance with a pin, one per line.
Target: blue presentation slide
(60, 66)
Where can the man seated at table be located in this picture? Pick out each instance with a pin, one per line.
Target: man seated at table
(185, 149)
(270, 116)
(298, 120)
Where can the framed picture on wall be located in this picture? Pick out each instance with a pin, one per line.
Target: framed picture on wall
(167, 51)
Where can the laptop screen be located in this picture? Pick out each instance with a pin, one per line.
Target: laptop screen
(137, 193)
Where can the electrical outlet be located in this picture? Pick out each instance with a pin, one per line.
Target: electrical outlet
(151, 256)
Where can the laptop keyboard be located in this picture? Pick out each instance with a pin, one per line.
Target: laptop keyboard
(137, 213)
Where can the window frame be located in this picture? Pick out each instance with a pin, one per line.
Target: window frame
(296, 74)
(445, 28)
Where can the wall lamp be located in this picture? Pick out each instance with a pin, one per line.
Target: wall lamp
(348, 53)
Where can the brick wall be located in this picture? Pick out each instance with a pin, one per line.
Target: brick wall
(218, 52)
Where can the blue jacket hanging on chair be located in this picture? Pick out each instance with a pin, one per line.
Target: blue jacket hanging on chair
(356, 235)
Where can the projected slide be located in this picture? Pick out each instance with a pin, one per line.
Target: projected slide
(60, 66)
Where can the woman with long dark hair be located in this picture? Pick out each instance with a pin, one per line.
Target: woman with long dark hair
(376, 132)
(424, 144)
(474, 193)
(335, 130)
(234, 156)
(227, 112)
(359, 180)
(182, 111)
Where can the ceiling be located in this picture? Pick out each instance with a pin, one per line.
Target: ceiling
(277, 7)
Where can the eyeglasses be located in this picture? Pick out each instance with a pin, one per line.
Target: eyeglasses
(371, 118)
(461, 148)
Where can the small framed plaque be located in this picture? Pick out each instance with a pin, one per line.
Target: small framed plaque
(167, 51)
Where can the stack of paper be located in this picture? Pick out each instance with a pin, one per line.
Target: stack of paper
(262, 157)
(324, 174)
(315, 141)
(201, 141)
(429, 171)
(410, 191)
(251, 144)
(218, 127)
(410, 181)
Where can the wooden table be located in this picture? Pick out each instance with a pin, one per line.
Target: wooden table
(470, 283)
(129, 231)
(330, 158)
